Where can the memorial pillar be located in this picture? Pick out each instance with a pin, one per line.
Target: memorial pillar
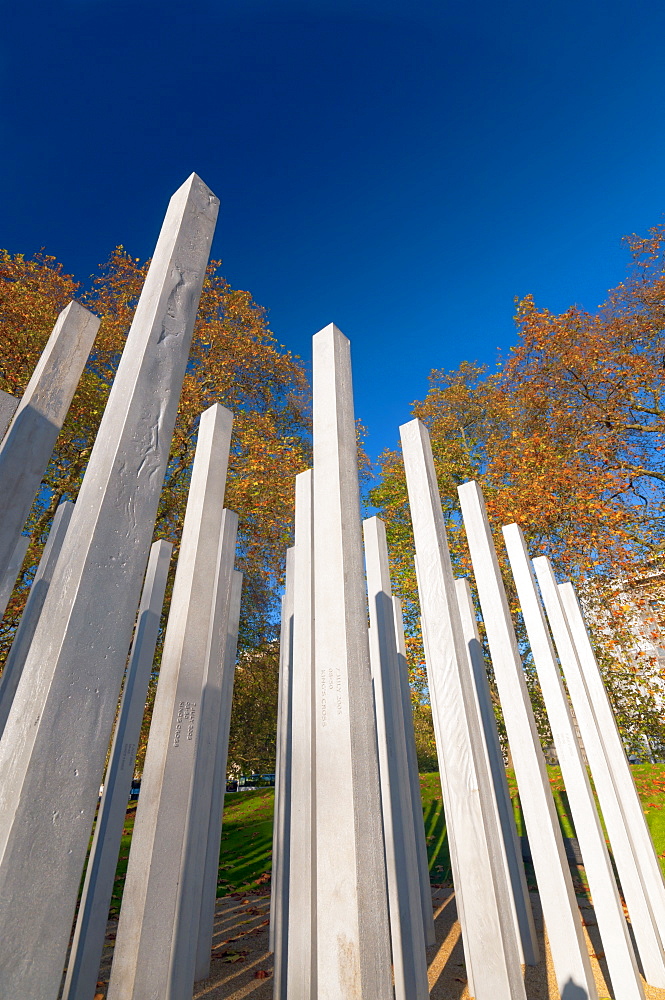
(90, 930)
(461, 881)
(211, 873)
(511, 847)
(406, 924)
(57, 734)
(281, 839)
(29, 442)
(155, 949)
(414, 778)
(301, 888)
(8, 580)
(560, 910)
(612, 778)
(491, 940)
(618, 948)
(13, 668)
(353, 935)
(8, 406)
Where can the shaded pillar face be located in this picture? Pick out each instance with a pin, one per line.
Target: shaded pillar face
(209, 893)
(158, 930)
(14, 663)
(51, 770)
(490, 932)
(10, 575)
(353, 945)
(414, 778)
(90, 930)
(451, 834)
(301, 952)
(406, 924)
(562, 917)
(213, 711)
(8, 405)
(281, 841)
(27, 448)
(611, 922)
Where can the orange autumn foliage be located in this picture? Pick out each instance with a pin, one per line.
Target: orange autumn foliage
(235, 360)
(567, 438)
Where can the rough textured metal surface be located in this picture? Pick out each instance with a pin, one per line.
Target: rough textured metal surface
(55, 742)
(90, 930)
(612, 925)
(510, 846)
(13, 668)
(211, 872)
(156, 944)
(11, 572)
(406, 923)
(614, 784)
(281, 839)
(414, 779)
(562, 916)
(301, 958)
(353, 936)
(27, 447)
(8, 406)
(491, 940)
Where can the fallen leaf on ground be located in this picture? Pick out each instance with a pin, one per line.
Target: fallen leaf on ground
(261, 974)
(230, 956)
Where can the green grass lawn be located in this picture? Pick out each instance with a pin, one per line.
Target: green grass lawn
(245, 854)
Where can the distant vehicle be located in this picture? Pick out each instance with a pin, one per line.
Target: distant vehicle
(249, 782)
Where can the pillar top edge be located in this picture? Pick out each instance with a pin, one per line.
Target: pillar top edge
(470, 486)
(331, 330)
(223, 411)
(193, 181)
(411, 425)
(75, 306)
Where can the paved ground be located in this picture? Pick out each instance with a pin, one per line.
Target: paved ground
(242, 967)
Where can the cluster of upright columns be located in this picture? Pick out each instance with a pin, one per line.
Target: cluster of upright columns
(90, 930)
(556, 613)
(351, 908)
(331, 720)
(491, 941)
(60, 687)
(347, 821)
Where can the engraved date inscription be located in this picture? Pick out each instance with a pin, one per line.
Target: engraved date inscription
(184, 722)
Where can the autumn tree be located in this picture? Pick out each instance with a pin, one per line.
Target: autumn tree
(235, 360)
(252, 739)
(565, 437)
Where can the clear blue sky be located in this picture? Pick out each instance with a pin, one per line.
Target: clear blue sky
(404, 169)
